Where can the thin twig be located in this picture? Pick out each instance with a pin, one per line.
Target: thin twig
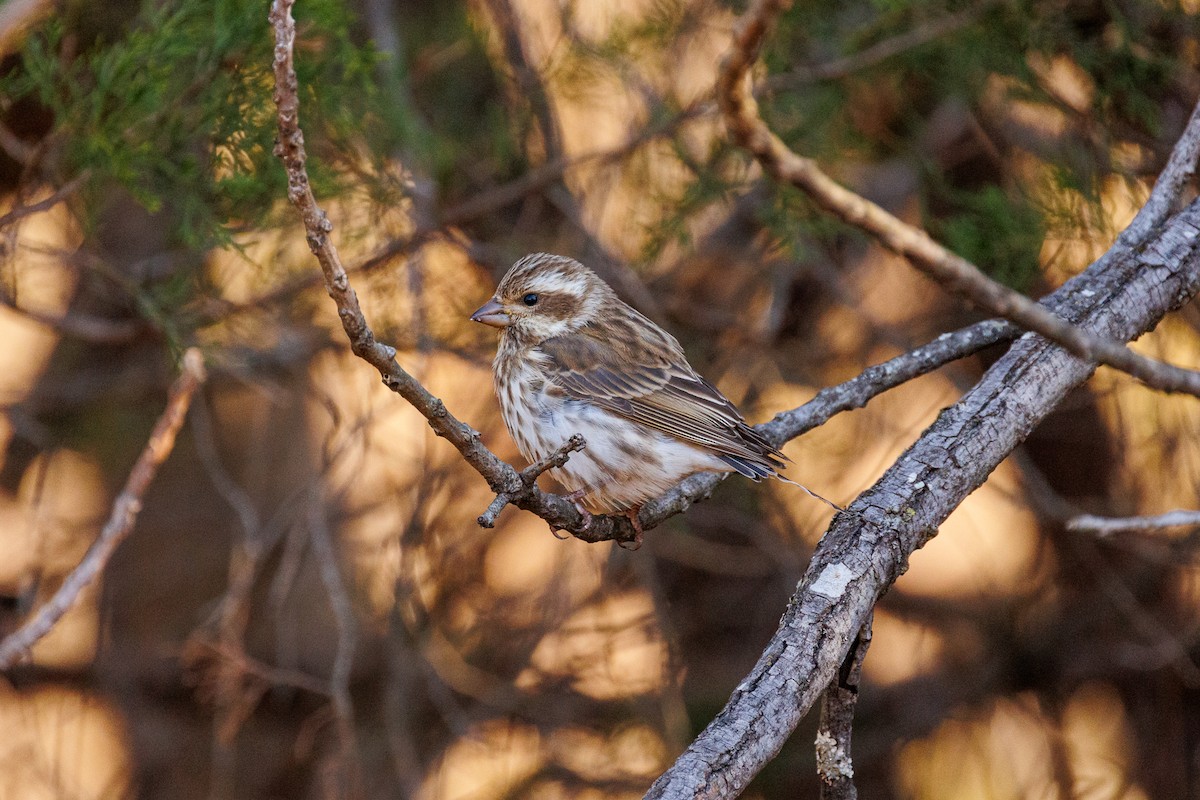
(1106, 526)
(345, 771)
(251, 667)
(45, 204)
(834, 765)
(870, 56)
(854, 393)
(84, 327)
(16, 647)
(953, 272)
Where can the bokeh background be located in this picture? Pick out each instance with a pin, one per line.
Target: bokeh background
(307, 609)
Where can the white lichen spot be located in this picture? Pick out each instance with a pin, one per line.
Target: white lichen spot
(833, 763)
(833, 580)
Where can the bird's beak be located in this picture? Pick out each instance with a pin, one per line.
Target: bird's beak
(492, 313)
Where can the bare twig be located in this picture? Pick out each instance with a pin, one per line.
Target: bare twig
(45, 204)
(854, 393)
(345, 771)
(85, 327)
(870, 56)
(834, 765)
(529, 476)
(1106, 526)
(955, 273)
(16, 647)
(198, 648)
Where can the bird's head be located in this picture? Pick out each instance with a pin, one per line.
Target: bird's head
(543, 296)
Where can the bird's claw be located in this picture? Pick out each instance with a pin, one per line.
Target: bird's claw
(632, 514)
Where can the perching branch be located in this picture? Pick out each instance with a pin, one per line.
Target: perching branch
(501, 477)
(16, 647)
(955, 273)
(832, 400)
(505, 480)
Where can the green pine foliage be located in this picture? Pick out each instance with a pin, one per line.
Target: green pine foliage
(177, 109)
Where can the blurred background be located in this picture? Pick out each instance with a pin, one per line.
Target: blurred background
(307, 609)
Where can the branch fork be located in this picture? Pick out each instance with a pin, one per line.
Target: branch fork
(526, 479)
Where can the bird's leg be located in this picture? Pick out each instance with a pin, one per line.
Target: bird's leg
(575, 497)
(632, 513)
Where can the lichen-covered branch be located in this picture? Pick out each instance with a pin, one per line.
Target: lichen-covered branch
(863, 553)
(835, 767)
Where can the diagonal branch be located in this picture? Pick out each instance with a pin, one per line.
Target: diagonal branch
(501, 477)
(16, 647)
(864, 552)
(955, 273)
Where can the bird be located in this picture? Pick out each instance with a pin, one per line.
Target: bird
(573, 358)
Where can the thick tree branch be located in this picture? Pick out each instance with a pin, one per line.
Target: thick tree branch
(1152, 269)
(955, 273)
(16, 647)
(861, 554)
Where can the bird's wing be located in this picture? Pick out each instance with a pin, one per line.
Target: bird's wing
(650, 382)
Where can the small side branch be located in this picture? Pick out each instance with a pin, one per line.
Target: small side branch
(832, 400)
(529, 476)
(834, 766)
(16, 647)
(1106, 526)
(956, 274)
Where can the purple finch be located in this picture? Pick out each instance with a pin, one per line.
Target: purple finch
(573, 358)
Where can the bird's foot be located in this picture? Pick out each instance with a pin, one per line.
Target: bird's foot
(632, 513)
(575, 497)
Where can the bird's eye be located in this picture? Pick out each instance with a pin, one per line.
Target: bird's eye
(530, 299)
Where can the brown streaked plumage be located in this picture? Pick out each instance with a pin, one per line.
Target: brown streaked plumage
(573, 358)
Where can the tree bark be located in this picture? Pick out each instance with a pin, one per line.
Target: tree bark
(866, 550)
